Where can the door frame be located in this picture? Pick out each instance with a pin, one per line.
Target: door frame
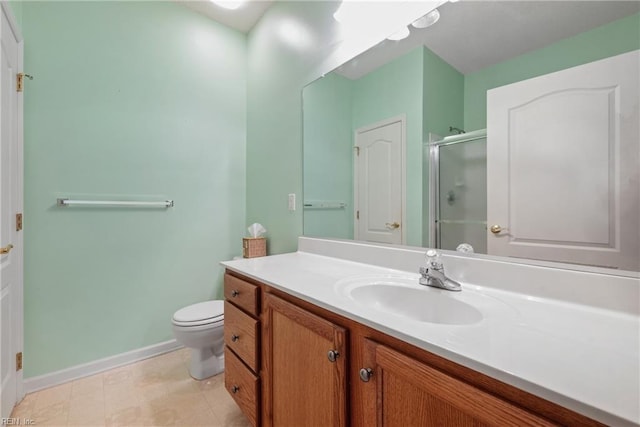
(402, 118)
(18, 252)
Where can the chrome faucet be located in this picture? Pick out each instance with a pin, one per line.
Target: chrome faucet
(433, 273)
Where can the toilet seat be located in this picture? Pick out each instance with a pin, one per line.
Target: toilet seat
(203, 313)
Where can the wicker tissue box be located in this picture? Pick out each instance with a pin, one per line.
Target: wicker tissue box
(254, 247)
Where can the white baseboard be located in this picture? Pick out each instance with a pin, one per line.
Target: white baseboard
(97, 366)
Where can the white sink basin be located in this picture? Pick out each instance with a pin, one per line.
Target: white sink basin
(423, 305)
(402, 296)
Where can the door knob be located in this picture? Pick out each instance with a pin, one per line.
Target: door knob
(366, 374)
(6, 249)
(392, 226)
(332, 355)
(495, 229)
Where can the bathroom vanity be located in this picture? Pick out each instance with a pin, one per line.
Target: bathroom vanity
(319, 337)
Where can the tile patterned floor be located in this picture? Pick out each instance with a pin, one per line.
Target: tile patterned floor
(152, 392)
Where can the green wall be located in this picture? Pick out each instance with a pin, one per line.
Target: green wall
(275, 77)
(328, 156)
(16, 9)
(443, 96)
(608, 40)
(130, 100)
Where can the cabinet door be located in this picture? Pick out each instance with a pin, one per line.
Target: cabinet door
(403, 392)
(304, 384)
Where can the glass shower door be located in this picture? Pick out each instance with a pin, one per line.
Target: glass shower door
(459, 191)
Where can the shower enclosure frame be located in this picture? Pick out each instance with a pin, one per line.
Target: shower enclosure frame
(434, 177)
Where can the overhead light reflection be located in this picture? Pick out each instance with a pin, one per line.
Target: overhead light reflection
(295, 34)
(399, 35)
(427, 20)
(229, 4)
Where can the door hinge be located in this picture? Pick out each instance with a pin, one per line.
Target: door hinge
(357, 214)
(357, 150)
(18, 361)
(18, 221)
(20, 81)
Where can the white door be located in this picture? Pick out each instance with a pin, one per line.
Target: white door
(10, 205)
(562, 165)
(379, 188)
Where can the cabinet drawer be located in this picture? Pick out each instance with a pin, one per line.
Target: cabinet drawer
(242, 385)
(241, 293)
(241, 334)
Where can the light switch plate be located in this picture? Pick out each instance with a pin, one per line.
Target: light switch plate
(292, 202)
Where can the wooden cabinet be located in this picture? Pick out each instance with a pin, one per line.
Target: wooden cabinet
(242, 294)
(295, 364)
(242, 344)
(305, 367)
(241, 335)
(408, 392)
(243, 386)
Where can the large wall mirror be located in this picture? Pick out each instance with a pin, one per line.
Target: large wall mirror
(508, 126)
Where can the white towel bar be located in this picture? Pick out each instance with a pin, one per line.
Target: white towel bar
(324, 205)
(116, 203)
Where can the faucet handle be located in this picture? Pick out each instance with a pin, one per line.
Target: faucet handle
(433, 259)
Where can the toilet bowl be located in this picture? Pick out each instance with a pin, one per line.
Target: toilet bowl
(201, 328)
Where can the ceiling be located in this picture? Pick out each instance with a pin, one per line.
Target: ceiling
(470, 35)
(242, 19)
(474, 34)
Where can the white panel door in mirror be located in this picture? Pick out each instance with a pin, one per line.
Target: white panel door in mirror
(378, 183)
(562, 168)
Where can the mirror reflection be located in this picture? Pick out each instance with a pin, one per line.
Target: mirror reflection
(499, 127)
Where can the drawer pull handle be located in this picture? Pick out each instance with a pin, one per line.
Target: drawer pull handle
(235, 293)
(366, 374)
(332, 355)
(235, 338)
(235, 389)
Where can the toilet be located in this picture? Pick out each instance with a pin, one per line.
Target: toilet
(201, 328)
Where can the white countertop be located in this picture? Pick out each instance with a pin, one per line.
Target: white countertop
(581, 357)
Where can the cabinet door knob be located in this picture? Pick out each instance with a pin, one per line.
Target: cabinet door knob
(235, 293)
(235, 389)
(235, 338)
(366, 374)
(332, 355)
